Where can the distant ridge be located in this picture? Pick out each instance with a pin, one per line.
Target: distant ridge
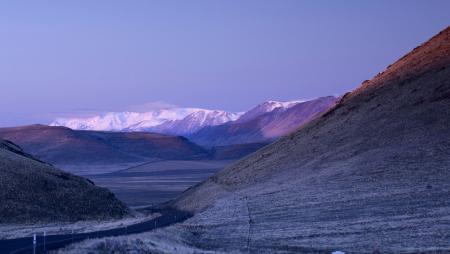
(184, 121)
(63, 146)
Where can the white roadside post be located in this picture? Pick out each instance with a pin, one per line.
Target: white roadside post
(34, 243)
(45, 234)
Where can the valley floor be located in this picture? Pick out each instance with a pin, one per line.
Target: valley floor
(158, 181)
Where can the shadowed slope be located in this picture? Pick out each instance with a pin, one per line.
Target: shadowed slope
(370, 174)
(237, 151)
(33, 191)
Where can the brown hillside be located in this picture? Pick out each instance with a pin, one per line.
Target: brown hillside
(370, 174)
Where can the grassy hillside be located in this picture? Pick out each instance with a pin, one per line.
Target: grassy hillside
(31, 191)
(371, 174)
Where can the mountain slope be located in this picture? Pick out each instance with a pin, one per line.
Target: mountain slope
(265, 123)
(63, 146)
(31, 190)
(371, 174)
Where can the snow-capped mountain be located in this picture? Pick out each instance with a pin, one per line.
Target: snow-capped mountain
(266, 107)
(195, 122)
(118, 121)
(174, 121)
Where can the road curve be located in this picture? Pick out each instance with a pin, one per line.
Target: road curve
(53, 242)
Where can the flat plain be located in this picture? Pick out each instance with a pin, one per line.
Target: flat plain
(158, 181)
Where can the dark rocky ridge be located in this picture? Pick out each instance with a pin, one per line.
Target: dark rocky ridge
(371, 174)
(32, 191)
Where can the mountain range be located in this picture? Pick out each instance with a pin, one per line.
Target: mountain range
(261, 124)
(176, 121)
(370, 175)
(214, 134)
(221, 135)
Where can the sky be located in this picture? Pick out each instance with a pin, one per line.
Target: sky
(69, 57)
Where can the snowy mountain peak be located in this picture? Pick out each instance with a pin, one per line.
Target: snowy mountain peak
(281, 104)
(195, 122)
(266, 107)
(212, 117)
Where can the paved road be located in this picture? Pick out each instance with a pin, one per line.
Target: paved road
(53, 242)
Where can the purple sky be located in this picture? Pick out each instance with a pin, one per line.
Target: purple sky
(75, 56)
